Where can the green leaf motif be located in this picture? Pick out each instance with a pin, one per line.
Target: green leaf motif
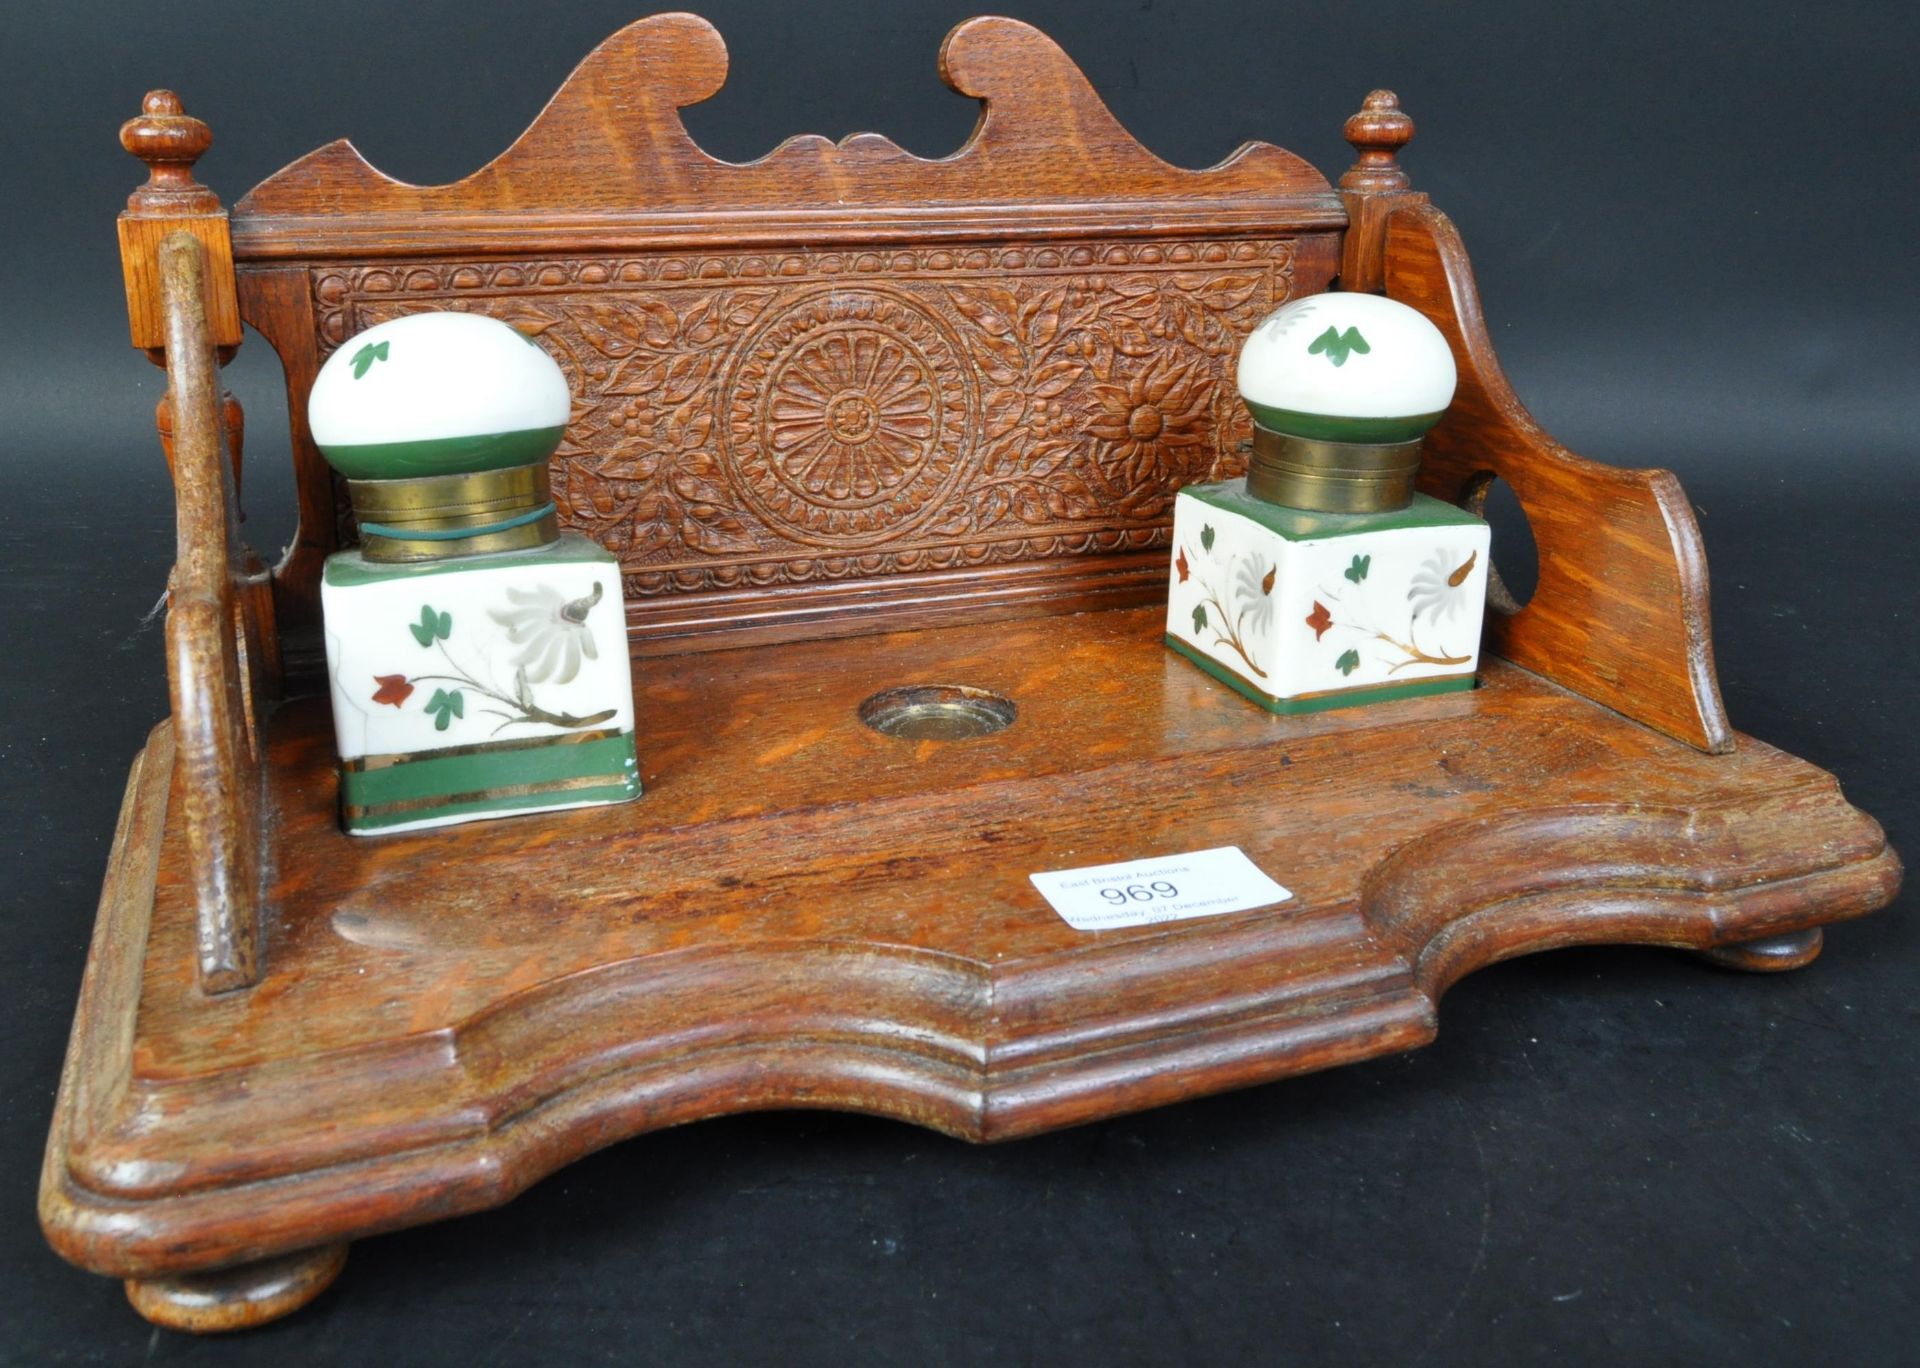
(364, 358)
(1358, 570)
(1200, 619)
(1348, 663)
(432, 626)
(1338, 345)
(444, 706)
(1206, 537)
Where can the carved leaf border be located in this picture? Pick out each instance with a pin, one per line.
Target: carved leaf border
(1069, 343)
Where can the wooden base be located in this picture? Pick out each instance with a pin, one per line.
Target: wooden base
(805, 913)
(237, 1298)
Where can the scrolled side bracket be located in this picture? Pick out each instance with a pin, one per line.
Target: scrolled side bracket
(1620, 613)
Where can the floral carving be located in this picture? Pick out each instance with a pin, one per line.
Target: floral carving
(848, 416)
(1161, 408)
(766, 418)
(851, 416)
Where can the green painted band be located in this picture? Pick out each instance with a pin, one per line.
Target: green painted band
(443, 776)
(1327, 427)
(351, 569)
(1321, 702)
(437, 534)
(581, 797)
(442, 455)
(1296, 524)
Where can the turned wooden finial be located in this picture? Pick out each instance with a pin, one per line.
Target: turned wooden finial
(1377, 133)
(169, 141)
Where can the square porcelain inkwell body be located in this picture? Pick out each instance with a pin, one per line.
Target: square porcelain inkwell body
(1322, 579)
(477, 656)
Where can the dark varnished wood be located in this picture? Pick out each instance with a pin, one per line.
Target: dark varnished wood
(1373, 187)
(211, 672)
(237, 1298)
(803, 912)
(1770, 954)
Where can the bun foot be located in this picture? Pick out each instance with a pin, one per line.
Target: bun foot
(1770, 954)
(240, 1297)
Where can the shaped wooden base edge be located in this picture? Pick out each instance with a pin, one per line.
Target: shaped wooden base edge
(1740, 872)
(240, 1297)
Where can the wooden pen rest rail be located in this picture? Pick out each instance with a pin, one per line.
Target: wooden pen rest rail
(288, 1039)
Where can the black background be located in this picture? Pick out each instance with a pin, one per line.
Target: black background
(1693, 227)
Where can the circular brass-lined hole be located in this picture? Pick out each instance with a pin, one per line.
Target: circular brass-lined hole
(937, 712)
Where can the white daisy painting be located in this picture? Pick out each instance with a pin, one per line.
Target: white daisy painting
(1302, 615)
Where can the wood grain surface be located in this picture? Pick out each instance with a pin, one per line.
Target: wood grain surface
(1620, 612)
(212, 677)
(609, 163)
(839, 389)
(804, 912)
(170, 141)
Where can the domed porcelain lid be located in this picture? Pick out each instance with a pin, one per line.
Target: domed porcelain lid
(437, 394)
(1347, 368)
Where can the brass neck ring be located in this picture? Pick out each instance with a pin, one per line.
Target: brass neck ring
(1332, 477)
(441, 516)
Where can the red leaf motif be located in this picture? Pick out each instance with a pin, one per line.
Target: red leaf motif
(1180, 564)
(1266, 584)
(1319, 619)
(393, 689)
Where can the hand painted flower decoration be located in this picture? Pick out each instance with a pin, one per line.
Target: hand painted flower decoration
(1439, 586)
(551, 632)
(1253, 593)
(1150, 418)
(394, 689)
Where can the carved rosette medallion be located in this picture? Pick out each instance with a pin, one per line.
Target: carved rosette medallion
(817, 416)
(847, 416)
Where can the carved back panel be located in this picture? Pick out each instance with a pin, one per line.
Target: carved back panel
(840, 388)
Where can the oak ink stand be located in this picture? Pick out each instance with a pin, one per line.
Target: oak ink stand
(289, 1039)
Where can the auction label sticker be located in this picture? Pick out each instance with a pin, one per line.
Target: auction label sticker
(1206, 883)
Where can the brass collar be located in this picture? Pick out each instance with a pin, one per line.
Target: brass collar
(1332, 477)
(441, 516)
